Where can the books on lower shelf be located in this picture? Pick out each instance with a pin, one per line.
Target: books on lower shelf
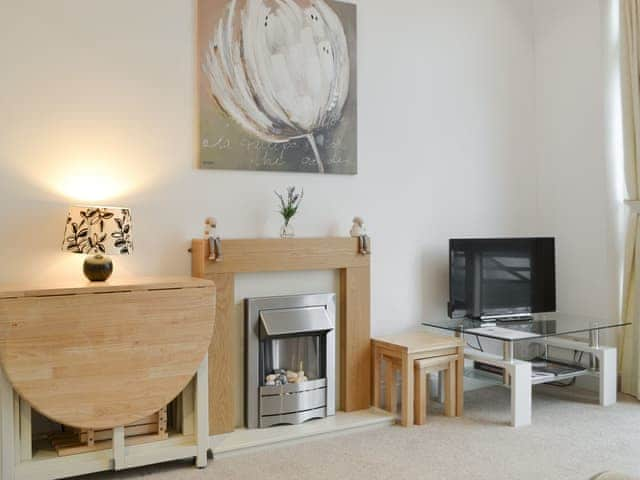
(540, 368)
(554, 368)
(536, 375)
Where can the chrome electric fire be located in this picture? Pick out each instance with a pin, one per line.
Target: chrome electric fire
(291, 339)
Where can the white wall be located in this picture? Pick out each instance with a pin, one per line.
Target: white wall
(579, 166)
(97, 102)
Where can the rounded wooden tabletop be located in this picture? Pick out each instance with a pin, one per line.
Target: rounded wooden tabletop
(105, 357)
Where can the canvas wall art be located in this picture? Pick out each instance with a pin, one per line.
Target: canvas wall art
(278, 85)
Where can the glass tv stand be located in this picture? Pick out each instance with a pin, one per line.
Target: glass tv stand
(548, 330)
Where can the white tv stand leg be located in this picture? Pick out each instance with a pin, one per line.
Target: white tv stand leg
(607, 366)
(607, 359)
(519, 374)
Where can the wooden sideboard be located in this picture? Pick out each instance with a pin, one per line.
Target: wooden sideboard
(273, 255)
(103, 355)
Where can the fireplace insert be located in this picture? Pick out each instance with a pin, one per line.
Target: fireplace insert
(290, 359)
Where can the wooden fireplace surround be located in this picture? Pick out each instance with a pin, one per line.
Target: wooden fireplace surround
(273, 255)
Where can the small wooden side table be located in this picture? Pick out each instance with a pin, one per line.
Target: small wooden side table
(403, 350)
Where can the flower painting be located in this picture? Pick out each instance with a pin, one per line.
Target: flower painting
(277, 85)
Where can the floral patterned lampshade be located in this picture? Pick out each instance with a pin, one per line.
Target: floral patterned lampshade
(95, 230)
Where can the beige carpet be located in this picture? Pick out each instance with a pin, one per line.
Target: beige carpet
(571, 438)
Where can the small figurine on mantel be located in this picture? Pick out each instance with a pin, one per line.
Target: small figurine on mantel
(358, 230)
(210, 233)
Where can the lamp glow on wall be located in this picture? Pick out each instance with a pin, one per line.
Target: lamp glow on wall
(98, 232)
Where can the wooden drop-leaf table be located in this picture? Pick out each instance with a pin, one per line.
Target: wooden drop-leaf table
(99, 356)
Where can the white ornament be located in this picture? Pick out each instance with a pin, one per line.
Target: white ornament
(358, 229)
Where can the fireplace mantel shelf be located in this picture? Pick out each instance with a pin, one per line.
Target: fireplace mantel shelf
(295, 254)
(275, 255)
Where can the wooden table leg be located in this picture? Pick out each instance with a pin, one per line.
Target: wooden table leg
(450, 376)
(118, 445)
(7, 436)
(460, 383)
(375, 368)
(202, 413)
(390, 386)
(421, 396)
(26, 452)
(407, 390)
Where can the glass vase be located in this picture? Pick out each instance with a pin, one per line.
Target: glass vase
(287, 231)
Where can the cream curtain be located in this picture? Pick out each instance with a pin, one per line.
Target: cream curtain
(630, 78)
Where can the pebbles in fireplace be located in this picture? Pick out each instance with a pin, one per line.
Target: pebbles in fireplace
(290, 359)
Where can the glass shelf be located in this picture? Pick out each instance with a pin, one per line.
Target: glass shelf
(541, 326)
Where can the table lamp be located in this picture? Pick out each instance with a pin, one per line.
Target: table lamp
(98, 232)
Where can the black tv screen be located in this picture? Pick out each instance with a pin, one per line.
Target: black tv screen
(493, 277)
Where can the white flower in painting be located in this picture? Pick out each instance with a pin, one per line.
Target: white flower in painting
(280, 68)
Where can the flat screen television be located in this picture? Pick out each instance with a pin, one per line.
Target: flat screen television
(493, 278)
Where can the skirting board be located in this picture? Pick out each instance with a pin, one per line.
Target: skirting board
(243, 440)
